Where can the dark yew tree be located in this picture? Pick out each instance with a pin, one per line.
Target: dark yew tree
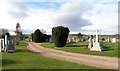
(60, 35)
(37, 36)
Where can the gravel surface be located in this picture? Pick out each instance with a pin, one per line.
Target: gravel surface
(103, 62)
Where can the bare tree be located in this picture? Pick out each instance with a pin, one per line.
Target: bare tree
(18, 31)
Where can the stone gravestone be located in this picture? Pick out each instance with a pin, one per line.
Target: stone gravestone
(5, 49)
(114, 40)
(108, 39)
(69, 40)
(9, 44)
(1, 45)
(96, 44)
(90, 44)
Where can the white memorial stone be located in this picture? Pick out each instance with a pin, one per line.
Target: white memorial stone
(114, 40)
(108, 40)
(0, 45)
(3, 45)
(90, 44)
(6, 43)
(96, 44)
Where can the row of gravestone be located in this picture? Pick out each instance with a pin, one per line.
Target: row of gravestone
(7, 44)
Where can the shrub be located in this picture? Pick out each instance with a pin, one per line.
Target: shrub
(37, 36)
(44, 36)
(60, 35)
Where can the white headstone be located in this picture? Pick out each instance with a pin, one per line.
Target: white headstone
(3, 44)
(50, 40)
(0, 45)
(6, 43)
(90, 43)
(114, 40)
(108, 40)
(96, 44)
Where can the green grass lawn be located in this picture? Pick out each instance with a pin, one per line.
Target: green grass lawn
(80, 47)
(24, 59)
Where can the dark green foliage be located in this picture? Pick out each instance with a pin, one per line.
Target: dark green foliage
(37, 36)
(32, 36)
(60, 35)
(44, 36)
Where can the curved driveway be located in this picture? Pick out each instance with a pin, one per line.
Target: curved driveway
(90, 60)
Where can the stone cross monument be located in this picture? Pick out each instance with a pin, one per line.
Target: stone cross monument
(96, 44)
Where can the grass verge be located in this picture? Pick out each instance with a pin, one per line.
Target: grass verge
(24, 59)
(80, 47)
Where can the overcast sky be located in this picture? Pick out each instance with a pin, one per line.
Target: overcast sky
(83, 16)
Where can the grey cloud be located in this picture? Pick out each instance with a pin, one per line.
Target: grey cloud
(72, 18)
(19, 11)
(73, 22)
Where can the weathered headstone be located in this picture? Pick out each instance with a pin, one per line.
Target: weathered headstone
(6, 39)
(96, 44)
(76, 40)
(90, 44)
(2, 45)
(50, 40)
(108, 39)
(73, 39)
(69, 40)
(114, 40)
(9, 44)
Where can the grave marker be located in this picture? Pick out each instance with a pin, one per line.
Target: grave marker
(0, 45)
(9, 44)
(114, 40)
(96, 44)
(90, 44)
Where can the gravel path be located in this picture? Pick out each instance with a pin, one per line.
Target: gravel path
(90, 60)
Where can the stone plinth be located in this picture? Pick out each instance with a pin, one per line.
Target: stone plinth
(96, 47)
